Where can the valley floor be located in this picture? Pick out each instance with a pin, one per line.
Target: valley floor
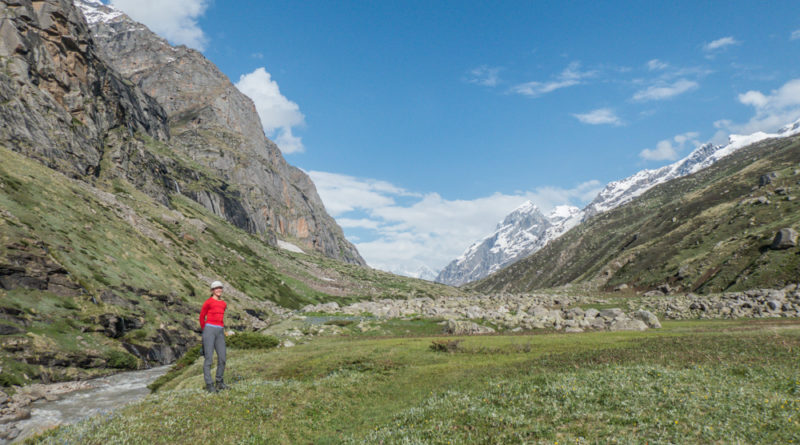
(689, 382)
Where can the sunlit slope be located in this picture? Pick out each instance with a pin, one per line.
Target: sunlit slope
(706, 232)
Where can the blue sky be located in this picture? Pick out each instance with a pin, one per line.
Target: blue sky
(424, 122)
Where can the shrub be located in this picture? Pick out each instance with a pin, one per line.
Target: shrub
(445, 345)
(8, 379)
(340, 323)
(122, 360)
(251, 340)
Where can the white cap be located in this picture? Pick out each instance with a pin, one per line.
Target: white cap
(216, 284)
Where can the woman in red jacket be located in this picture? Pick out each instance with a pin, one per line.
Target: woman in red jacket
(213, 328)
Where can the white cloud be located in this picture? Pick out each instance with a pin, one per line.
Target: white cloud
(720, 43)
(670, 149)
(410, 230)
(286, 141)
(664, 90)
(484, 75)
(569, 77)
(772, 110)
(599, 116)
(278, 114)
(657, 65)
(342, 193)
(795, 35)
(175, 20)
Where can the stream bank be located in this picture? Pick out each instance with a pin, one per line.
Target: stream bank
(40, 407)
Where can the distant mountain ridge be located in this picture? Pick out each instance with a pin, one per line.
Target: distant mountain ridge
(526, 230)
(731, 226)
(521, 233)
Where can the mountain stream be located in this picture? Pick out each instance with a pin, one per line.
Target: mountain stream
(106, 394)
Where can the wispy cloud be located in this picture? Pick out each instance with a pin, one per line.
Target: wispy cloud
(657, 65)
(572, 75)
(795, 35)
(600, 116)
(772, 110)
(484, 75)
(175, 20)
(277, 113)
(720, 43)
(665, 90)
(400, 231)
(670, 149)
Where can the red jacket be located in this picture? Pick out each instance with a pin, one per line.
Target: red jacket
(212, 312)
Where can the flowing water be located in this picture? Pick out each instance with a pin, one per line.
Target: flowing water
(106, 394)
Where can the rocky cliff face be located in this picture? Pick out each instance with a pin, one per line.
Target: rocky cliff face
(58, 100)
(217, 126)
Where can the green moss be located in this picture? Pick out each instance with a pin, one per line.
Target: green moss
(122, 360)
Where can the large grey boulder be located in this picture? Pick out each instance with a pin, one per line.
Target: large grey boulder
(648, 318)
(612, 313)
(627, 324)
(785, 238)
(767, 179)
(464, 327)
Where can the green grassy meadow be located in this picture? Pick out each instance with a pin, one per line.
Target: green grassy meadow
(690, 382)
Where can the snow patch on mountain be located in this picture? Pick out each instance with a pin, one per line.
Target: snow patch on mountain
(95, 11)
(423, 273)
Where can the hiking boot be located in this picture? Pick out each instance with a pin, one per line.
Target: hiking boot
(221, 386)
(211, 388)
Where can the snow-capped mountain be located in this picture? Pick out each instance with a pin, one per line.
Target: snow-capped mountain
(522, 232)
(620, 192)
(526, 230)
(423, 273)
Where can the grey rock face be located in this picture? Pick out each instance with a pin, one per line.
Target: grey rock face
(57, 98)
(217, 126)
(785, 238)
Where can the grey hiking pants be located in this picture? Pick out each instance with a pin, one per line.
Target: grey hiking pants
(213, 338)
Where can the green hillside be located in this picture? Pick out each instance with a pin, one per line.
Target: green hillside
(706, 232)
(96, 276)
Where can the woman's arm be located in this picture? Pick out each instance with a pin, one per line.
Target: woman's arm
(203, 313)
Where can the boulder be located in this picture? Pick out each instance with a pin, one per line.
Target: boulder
(785, 238)
(648, 318)
(464, 327)
(538, 311)
(591, 313)
(612, 313)
(627, 324)
(767, 179)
